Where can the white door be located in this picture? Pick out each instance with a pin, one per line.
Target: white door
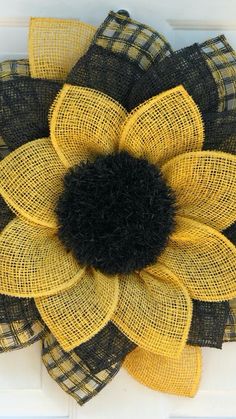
(26, 390)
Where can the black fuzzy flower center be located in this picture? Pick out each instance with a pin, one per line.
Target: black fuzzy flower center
(115, 213)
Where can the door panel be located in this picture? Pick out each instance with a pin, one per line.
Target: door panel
(26, 390)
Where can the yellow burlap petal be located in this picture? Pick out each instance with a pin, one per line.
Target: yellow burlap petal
(33, 261)
(84, 123)
(55, 45)
(203, 259)
(77, 314)
(204, 183)
(163, 127)
(31, 180)
(175, 376)
(154, 312)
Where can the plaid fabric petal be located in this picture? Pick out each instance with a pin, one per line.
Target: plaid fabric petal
(185, 67)
(10, 69)
(208, 323)
(24, 107)
(230, 329)
(134, 40)
(121, 50)
(19, 334)
(106, 348)
(71, 373)
(221, 59)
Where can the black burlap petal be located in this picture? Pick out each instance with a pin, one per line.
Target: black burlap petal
(14, 309)
(185, 67)
(105, 349)
(208, 323)
(220, 131)
(121, 51)
(6, 215)
(24, 107)
(220, 134)
(230, 233)
(107, 72)
(4, 150)
(71, 373)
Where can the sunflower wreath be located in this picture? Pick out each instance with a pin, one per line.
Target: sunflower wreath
(117, 184)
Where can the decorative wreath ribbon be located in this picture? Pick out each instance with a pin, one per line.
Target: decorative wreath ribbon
(118, 203)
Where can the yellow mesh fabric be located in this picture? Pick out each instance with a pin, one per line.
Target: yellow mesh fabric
(175, 376)
(203, 259)
(163, 127)
(31, 180)
(205, 186)
(33, 261)
(85, 122)
(77, 314)
(55, 45)
(154, 312)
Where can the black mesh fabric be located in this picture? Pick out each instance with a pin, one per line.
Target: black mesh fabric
(208, 323)
(121, 51)
(6, 214)
(220, 131)
(107, 72)
(230, 233)
(4, 151)
(106, 348)
(220, 134)
(24, 107)
(14, 309)
(187, 67)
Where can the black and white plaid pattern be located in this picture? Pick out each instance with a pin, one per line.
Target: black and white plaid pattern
(230, 329)
(13, 68)
(137, 41)
(70, 372)
(221, 59)
(19, 334)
